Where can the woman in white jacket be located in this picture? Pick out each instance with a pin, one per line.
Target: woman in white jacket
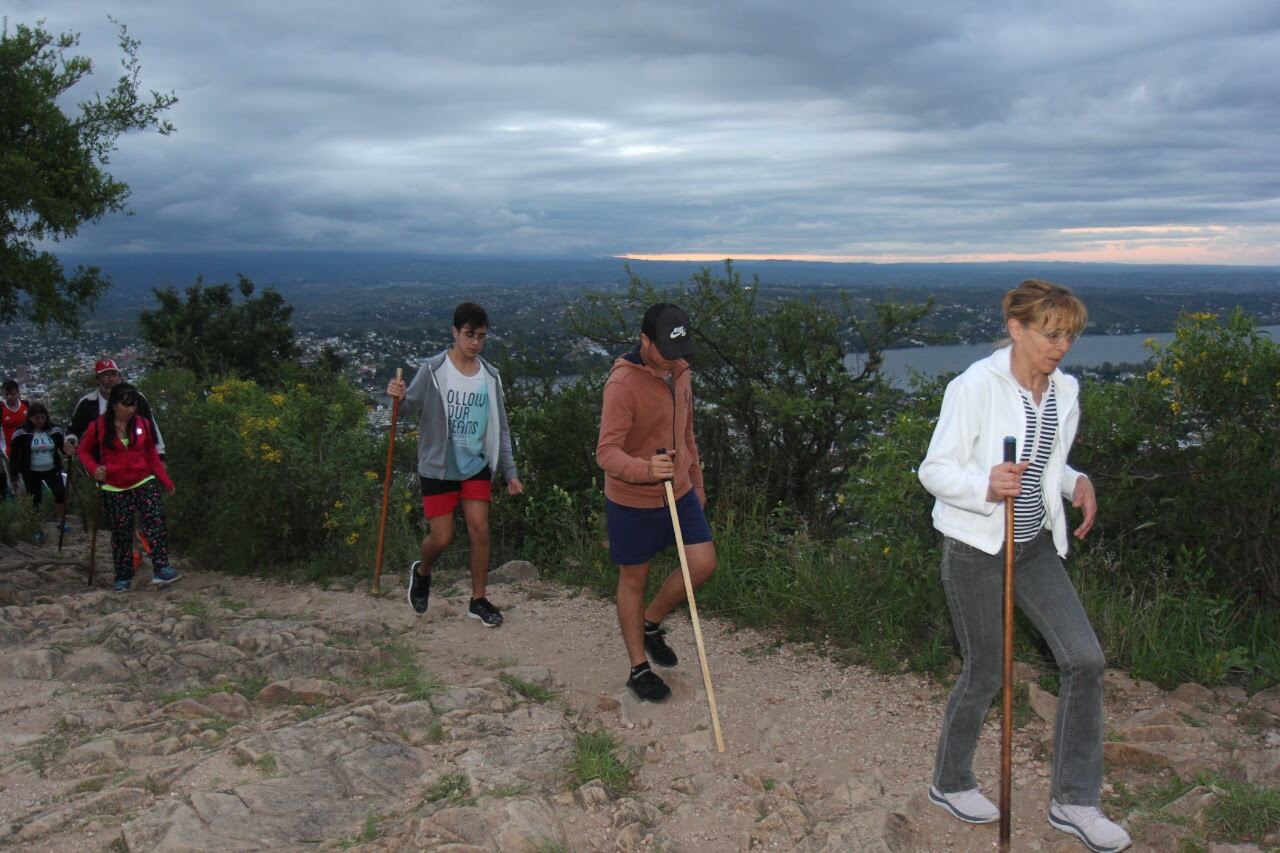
(1018, 391)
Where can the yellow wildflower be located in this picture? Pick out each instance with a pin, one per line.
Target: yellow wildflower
(353, 538)
(278, 399)
(338, 504)
(887, 550)
(840, 499)
(371, 475)
(1175, 407)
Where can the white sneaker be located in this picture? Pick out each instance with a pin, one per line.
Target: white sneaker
(1091, 826)
(970, 806)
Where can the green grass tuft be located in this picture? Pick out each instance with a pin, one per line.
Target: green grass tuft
(454, 787)
(1244, 812)
(599, 755)
(399, 671)
(526, 689)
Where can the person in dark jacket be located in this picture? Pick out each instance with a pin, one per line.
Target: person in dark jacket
(35, 454)
(94, 405)
(119, 452)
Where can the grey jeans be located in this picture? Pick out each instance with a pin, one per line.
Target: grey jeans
(974, 583)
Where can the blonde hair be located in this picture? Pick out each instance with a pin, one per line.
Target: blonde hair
(1035, 303)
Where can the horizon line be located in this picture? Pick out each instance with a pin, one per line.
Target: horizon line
(1002, 258)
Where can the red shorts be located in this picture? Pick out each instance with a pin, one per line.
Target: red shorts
(441, 497)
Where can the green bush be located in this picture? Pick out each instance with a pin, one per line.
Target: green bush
(268, 478)
(1188, 457)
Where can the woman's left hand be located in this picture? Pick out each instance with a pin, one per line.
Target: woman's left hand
(1083, 498)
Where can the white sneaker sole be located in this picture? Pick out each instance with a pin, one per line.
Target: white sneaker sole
(158, 582)
(1071, 829)
(471, 615)
(938, 799)
(408, 593)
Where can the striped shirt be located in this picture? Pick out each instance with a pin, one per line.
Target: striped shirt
(1042, 429)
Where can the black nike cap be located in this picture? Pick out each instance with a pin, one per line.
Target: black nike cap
(669, 328)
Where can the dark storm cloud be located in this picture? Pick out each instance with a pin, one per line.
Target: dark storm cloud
(878, 130)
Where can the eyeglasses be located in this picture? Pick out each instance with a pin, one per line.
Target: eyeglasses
(1057, 336)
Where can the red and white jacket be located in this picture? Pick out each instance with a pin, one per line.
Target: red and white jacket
(126, 466)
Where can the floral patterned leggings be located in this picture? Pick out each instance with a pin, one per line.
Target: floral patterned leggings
(119, 508)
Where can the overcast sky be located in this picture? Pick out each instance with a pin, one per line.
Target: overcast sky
(886, 130)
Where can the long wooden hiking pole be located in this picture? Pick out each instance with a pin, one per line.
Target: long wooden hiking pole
(693, 613)
(93, 535)
(66, 499)
(1006, 714)
(386, 485)
(84, 514)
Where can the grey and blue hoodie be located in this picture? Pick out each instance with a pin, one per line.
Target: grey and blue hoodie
(426, 393)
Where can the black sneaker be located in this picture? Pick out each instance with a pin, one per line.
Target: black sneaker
(419, 587)
(647, 686)
(484, 611)
(657, 649)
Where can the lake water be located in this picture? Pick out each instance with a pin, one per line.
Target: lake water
(1089, 351)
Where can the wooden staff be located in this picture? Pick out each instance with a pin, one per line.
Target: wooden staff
(693, 613)
(1006, 720)
(93, 535)
(386, 485)
(66, 499)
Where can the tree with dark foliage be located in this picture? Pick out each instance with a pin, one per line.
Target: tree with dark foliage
(53, 174)
(211, 334)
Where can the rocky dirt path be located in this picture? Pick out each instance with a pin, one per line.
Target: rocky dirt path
(226, 713)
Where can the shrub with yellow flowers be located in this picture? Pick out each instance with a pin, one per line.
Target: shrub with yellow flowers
(271, 477)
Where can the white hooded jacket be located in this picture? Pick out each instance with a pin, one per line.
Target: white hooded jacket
(982, 406)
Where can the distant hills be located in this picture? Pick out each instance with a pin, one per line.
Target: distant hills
(294, 274)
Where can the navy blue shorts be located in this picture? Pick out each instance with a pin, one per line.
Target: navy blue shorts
(636, 535)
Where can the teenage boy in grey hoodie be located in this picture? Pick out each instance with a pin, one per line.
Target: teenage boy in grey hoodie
(463, 444)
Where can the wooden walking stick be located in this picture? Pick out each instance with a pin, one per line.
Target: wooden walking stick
(1006, 715)
(93, 535)
(84, 514)
(386, 485)
(66, 499)
(693, 613)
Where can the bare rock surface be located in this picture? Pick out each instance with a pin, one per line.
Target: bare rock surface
(233, 714)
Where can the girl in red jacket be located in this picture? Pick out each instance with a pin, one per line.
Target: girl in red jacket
(119, 452)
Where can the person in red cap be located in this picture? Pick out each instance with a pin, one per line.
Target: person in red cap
(94, 405)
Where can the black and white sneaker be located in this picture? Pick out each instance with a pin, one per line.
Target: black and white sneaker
(656, 647)
(481, 609)
(419, 587)
(646, 684)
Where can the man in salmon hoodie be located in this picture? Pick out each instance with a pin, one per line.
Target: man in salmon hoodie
(648, 405)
